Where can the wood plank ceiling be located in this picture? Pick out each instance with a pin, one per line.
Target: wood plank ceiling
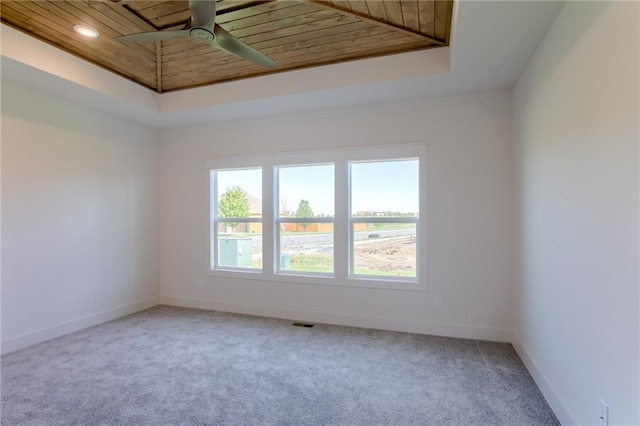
(294, 33)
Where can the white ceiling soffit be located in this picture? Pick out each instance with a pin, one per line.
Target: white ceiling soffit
(491, 44)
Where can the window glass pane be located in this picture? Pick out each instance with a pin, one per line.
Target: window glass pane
(384, 249)
(306, 247)
(241, 249)
(306, 191)
(239, 193)
(384, 188)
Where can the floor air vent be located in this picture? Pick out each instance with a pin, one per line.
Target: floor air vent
(302, 324)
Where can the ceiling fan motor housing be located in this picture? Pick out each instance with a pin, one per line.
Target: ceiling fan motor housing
(201, 34)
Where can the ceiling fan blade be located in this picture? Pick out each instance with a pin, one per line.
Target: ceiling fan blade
(203, 13)
(153, 36)
(229, 43)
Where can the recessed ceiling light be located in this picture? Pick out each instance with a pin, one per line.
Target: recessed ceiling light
(86, 31)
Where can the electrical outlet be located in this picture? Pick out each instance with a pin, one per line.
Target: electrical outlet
(604, 414)
(439, 302)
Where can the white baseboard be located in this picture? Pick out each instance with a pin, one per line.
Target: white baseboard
(549, 392)
(15, 343)
(409, 326)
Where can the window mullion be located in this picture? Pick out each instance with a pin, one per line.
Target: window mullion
(213, 221)
(421, 226)
(341, 232)
(269, 194)
(276, 224)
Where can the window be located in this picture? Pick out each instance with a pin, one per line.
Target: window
(305, 218)
(339, 217)
(384, 217)
(236, 218)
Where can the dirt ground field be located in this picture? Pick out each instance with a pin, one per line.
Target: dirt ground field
(386, 255)
(374, 256)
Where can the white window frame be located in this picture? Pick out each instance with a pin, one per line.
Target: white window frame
(279, 221)
(415, 220)
(343, 222)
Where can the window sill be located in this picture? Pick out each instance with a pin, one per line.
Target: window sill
(313, 279)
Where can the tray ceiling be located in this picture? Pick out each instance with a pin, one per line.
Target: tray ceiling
(296, 34)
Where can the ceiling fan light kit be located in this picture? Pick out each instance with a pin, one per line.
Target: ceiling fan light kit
(202, 26)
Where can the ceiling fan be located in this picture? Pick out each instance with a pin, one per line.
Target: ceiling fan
(202, 26)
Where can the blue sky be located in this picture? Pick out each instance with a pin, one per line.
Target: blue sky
(376, 186)
(385, 186)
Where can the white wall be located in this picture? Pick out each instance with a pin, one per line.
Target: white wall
(80, 224)
(576, 128)
(469, 215)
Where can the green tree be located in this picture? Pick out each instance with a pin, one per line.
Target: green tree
(304, 210)
(234, 203)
